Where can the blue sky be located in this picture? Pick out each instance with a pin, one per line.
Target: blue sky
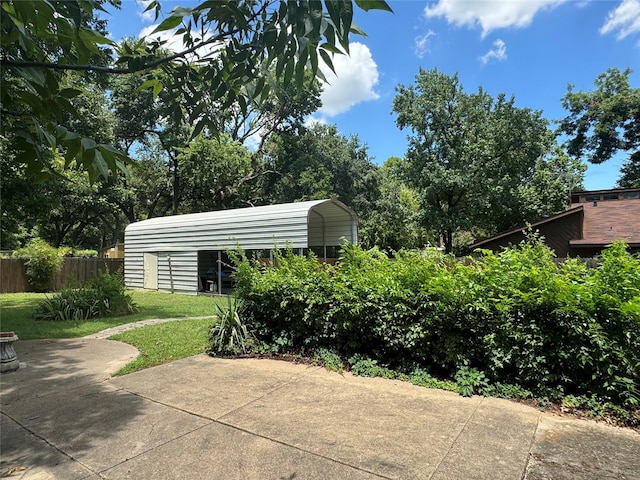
(530, 49)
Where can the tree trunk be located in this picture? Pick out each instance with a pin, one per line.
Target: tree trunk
(448, 242)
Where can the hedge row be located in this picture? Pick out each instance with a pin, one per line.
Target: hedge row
(516, 316)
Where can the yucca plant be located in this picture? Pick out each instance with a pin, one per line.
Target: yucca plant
(229, 335)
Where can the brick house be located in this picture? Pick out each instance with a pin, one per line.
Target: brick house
(595, 219)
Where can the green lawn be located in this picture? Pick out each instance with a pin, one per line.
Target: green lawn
(16, 308)
(165, 342)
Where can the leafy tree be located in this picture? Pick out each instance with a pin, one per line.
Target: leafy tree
(319, 162)
(284, 110)
(548, 189)
(243, 40)
(42, 262)
(603, 121)
(217, 174)
(467, 152)
(20, 202)
(393, 222)
(150, 184)
(39, 40)
(630, 174)
(91, 115)
(136, 112)
(142, 120)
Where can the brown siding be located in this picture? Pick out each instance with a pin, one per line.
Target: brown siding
(556, 233)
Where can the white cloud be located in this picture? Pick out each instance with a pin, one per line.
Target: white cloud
(490, 14)
(311, 121)
(422, 44)
(173, 43)
(625, 20)
(354, 81)
(498, 52)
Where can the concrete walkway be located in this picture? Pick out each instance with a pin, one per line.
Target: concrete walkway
(64, 417)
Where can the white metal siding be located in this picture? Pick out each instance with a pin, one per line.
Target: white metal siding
(133, 268)
(300, 225)
(176, 272)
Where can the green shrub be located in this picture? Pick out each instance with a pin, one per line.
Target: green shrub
(285, 305)
(329, 360)
(113, 299)
(506, 390)
(42, 262)
(470, 381)
(85, 253)
(229, 334)
(423, 379)
(102, 296)
(68, 304)
(515, 318)
(365, 367)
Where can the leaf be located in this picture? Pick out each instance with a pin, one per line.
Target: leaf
(70, 92)
(153, 5)
(327, 59)
(357, 30)
(88, 144)
(153, 83)
(33, 75)
(73, 149)
(367, 5)
(168, 24)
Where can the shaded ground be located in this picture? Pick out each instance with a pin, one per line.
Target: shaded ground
(200, 417)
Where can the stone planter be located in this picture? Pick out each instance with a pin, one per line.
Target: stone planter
(8, 356)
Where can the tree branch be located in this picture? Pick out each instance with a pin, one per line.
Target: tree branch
(110, 70)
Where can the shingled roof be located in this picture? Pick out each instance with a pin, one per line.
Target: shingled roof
(595, 220)
(606, 221)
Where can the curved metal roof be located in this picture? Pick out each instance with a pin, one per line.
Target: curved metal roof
(300, 224)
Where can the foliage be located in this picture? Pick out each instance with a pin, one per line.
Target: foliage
(547, 190)
(365, 367)
(42, 262)
(319, 162)
(103, 296)
(221, 180)
(515, 319)
(229, 334)
(603, 121)
(630, 174)
(469, 154)
(66, 210)
(74, 305)
(87, 253)
(329, 360)
(470, 381)
(423, 379)
(227, 50)
(285, 304)
(392, 221)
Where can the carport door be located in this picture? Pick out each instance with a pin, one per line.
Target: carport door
(150, 279)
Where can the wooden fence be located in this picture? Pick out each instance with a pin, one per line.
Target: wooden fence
(75, 271)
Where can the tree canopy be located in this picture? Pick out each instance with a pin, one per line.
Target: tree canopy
(603, 121)
(469, 154)
(231, 63)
